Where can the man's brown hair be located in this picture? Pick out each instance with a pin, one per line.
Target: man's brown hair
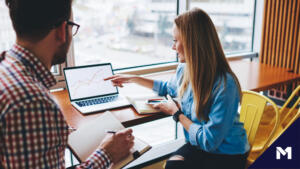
(33, 19)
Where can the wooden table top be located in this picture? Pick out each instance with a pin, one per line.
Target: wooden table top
(259, 77)
(127, 115)
(252, 76)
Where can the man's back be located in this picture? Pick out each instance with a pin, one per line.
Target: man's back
(33, 132)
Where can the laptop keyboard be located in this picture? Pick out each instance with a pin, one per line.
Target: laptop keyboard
(96, 101)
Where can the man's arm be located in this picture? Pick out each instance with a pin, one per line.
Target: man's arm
(112, 149)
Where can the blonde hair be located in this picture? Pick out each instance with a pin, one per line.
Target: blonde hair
(204, 57)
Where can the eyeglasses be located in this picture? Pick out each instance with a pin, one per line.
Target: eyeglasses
(75, 27)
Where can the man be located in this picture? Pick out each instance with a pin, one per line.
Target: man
(33, 131)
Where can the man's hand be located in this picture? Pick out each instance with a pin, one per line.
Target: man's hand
(118, 145)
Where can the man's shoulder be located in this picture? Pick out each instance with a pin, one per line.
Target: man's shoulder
(19, 88)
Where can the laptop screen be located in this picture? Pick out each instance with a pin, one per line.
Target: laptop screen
(87, 81)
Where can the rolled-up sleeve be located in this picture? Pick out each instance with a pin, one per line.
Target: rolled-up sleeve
(160, 87)
(99, 159)
(193, 132)
(208, 136)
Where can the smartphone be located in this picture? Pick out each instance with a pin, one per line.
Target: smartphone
(156, 101)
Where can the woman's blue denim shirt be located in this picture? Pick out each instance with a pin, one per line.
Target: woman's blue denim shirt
(222, 133)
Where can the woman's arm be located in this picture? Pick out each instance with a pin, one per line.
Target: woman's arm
(119, 80)
(170, 108)
(143, 81)
(185, 122)
(223, 111)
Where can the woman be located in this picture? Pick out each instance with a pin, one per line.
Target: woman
(209, 95)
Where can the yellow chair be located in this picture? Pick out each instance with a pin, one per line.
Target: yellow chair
(252, 108)
(288, 115)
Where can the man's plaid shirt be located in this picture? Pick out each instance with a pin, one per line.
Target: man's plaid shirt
(33, 131)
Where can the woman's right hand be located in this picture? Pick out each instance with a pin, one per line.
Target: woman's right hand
(119, 80)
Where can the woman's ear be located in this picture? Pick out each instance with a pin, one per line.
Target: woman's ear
(61, 32)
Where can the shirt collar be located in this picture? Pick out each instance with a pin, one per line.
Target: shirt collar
(36, 67)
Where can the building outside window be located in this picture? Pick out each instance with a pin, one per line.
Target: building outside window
(233, 20)
(134, 33)
(127, 33)
(7, 35)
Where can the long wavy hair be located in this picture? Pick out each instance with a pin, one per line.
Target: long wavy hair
(204, 57)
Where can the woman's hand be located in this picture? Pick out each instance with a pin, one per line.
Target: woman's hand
(169, 108)
(119, 80)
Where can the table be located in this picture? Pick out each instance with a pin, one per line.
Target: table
(127, 116)
(252, 76)
(259, 77)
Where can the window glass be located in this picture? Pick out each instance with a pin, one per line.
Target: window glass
(7, 35)
(127, 33)
(233, 20)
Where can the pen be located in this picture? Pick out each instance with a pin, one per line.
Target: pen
(71, 129)
(112, 132)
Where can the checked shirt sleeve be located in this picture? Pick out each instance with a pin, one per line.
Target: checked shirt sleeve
(33, 135)
(99, 159)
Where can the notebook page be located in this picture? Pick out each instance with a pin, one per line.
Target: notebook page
(86, 139)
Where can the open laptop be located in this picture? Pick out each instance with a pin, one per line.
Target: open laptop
(89, 92)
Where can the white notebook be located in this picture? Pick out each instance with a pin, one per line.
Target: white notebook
(86, 139)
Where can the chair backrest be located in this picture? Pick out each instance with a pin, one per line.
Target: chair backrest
(290, 110)
(252, 108)
(297, 115)
(281, 128)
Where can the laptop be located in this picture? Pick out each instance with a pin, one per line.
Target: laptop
(88, 91)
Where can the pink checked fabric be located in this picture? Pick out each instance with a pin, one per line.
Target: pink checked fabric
(33, 131)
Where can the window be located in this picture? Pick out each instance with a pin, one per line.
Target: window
(7, 35)
(127, 33)
(233, 20)
(135, 33)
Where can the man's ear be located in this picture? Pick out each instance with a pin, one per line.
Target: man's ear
(61, 32)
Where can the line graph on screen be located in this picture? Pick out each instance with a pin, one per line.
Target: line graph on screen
(91, 83)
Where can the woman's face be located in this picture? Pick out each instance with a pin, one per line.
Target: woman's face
(177, 45)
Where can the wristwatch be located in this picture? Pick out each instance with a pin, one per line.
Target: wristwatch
(176, 115)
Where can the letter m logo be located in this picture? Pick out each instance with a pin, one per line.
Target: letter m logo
(280, 151)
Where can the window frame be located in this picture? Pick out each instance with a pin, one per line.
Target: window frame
(182, 6)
